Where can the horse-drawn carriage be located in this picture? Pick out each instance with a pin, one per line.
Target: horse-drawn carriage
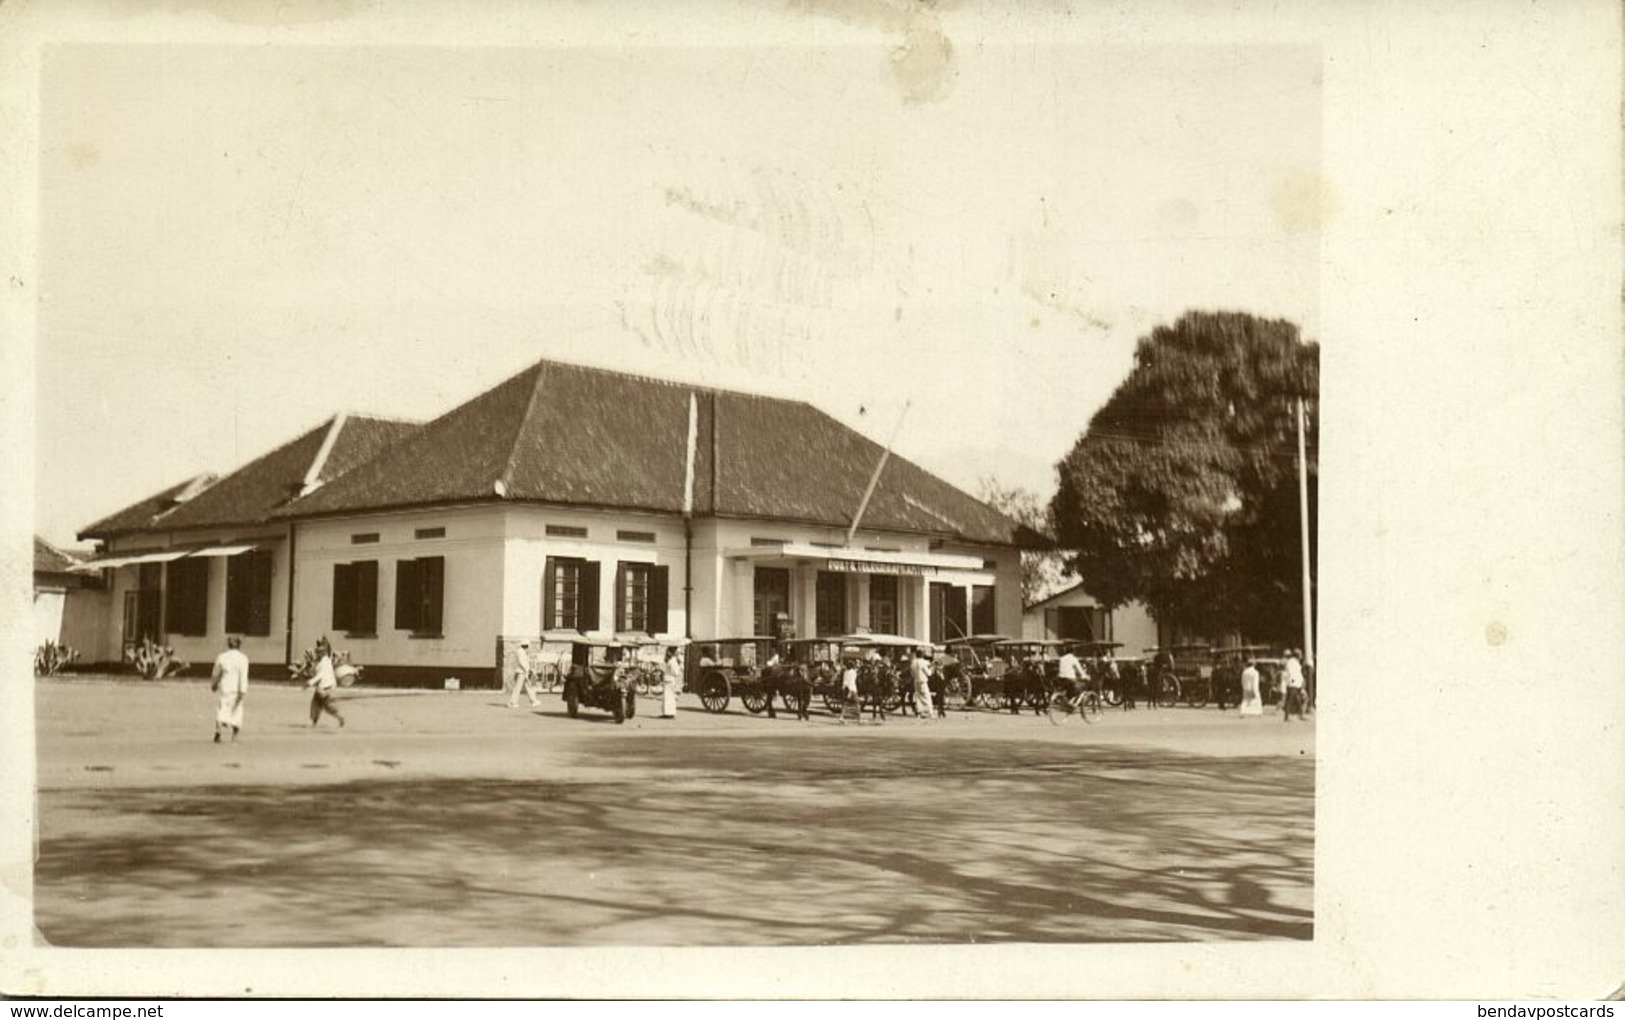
(973, 670)
(1034, 673)
(719, 669)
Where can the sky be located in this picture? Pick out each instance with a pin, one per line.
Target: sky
(237, 242)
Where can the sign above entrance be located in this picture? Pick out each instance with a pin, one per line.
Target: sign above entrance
(850, 560)
(873, 567)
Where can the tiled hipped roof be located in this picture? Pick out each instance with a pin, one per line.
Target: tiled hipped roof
(48, 559)
(567, 434)
(248, 495)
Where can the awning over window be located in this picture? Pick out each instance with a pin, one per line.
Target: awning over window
(225, 550)
(849, 560)
(166, 555)
(128, 559)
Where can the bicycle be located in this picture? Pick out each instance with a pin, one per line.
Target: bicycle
(1086, 704)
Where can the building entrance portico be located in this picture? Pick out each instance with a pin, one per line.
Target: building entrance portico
(829, 590)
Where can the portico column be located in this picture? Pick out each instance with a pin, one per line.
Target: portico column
(862, 607)
(805, 612)
(919, 626)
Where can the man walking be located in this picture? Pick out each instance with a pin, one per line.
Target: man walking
(1294, 687)
(524, 677)
(324, 682)
(230, 683)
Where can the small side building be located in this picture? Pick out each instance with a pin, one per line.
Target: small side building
(1073, 614)
(70, 605)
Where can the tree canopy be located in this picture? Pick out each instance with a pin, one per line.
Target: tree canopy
(1182, 493)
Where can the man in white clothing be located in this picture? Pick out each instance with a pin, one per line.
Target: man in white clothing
(920, 671)
(230, 683)
(524, 676)
(1070, 670)
(1294, 687)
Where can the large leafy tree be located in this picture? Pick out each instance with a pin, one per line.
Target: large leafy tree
(1182, 493)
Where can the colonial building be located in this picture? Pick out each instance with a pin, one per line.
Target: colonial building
(564, 497)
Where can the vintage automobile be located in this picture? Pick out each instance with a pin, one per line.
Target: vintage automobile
(974, 670)
(600, 677)
(717, 669)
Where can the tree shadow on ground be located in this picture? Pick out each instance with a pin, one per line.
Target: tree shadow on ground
(744, 842)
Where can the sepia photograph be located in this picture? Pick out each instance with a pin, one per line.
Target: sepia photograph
(819, 478)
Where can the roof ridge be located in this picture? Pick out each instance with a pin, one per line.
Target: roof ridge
(506, 481)
(392, 419)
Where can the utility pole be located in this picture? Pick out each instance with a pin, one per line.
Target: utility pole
(1303, 521)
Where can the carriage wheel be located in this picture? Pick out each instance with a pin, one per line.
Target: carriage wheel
(1196, 695)
(714, 693)
(1167, 692)
(834, 702)
(754, 700)
(1113, 696)
(954, 694)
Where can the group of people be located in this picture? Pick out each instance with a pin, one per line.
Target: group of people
(229, 681)
(1294, 694)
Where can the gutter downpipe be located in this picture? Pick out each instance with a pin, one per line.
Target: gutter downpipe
(287, 639)
(688, 518)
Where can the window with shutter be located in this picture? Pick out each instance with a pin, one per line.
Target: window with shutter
(550, 605)
(186, 597)
(238, 581)
(364, 618)
(343, 596)
(633, 584)
(588, 609)
(408, 607)
(432, 579)
(659, 588)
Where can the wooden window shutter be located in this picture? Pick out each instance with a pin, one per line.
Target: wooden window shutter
(659, 586)
(587, 610)
(174, 598)
(343, 596)
(549, 605)
(239, 590)
(260, 565)
(620, 596)
(366, 598)
(407, 604)
(432, 572)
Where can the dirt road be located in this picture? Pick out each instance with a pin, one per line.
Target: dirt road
(445, 819)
